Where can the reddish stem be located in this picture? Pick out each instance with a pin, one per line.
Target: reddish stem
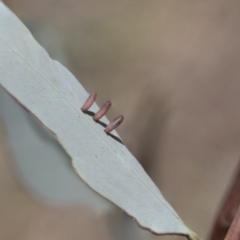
(228, 210)
(234, 231)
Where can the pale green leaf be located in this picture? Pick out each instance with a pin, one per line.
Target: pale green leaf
(54, 96)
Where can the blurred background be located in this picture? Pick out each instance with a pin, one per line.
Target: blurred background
(172, 69)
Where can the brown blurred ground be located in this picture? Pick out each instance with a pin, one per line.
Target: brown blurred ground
(172, 69)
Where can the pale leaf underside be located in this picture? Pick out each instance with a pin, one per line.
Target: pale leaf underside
(54, 96)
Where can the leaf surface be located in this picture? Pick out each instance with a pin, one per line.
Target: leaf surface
(54, 96)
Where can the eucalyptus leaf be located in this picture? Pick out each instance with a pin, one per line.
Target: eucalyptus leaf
(54, 96)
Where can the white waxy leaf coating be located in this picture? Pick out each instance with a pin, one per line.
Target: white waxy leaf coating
(54, 96)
